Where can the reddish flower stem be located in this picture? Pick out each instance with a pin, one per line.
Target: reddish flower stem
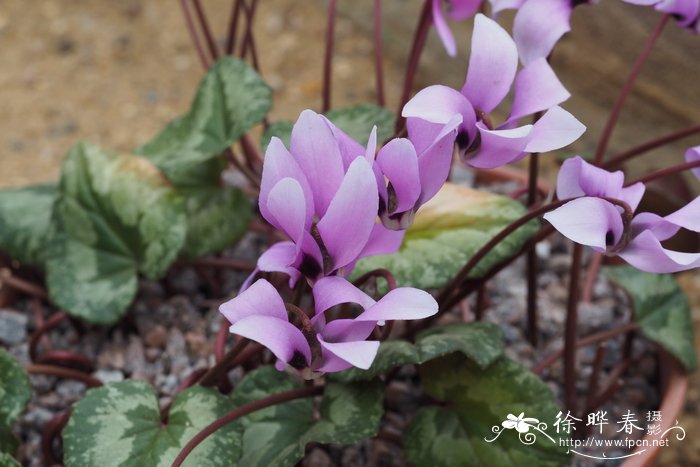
(60, 372)
(593, 382)
(419, 38)
(220, 343)
(378, 59)
(249, 39)
(51, 431)
(623, 157)
(591, 277)
(570, 330)
(206, 63)
(7, 279)
(47, 325)
(243, 410)
(66, 358)
(384, 273)
(480, 303)
(206, 31)
(233, 27)
(590, 339)
(665, 172)
(215, 373)
(532, 260)
(626, 88)
(328, 56)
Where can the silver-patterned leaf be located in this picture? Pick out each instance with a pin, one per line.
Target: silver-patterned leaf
(120, 425)
(15, 390)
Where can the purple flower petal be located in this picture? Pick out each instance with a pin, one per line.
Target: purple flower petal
(657, 225)
(498, 6)
(287, 208)
(537, 88)
(693, 155)
(382, 241)
(261, 298)
(316, 150)
(359, 354)
(685, 11)
(589, 221)
(687, 217)
(349, 148)
(283, 339)
(280, 257)
(554, 130)
(280, 164)
(538, 25)
(399, 163)
(333, 290)
(437, 104)
(346, 226)
(460, 10)
(347, 330)
(492, 65)
(646, 253)
(403, 303)
(443, 29)
(435, 161)
(500, 147)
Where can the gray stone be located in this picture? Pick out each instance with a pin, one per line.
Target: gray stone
(13, 327)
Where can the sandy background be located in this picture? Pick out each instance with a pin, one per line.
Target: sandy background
(116, 72)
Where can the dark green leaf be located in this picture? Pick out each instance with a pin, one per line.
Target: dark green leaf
(447, 231)
(277, 436)
(25, 219)
(357, 121)
(120, 424)
(231, 99)
(8, 442)
(217, 217)
(15, 390)
(481, 399)
(661, 310)
(115, 215)
(480, 341)
(281, 129)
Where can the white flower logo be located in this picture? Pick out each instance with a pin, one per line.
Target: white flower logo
(520, 423)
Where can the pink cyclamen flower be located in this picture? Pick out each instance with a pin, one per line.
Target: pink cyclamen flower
(493, 70)
(320, 343)
(599, 216)
(693, 155)
(322, 193)
(457, 10)
(410, 171)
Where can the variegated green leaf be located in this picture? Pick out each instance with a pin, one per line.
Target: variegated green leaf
(120, 425)
(25, 220)
(277, 436)
(7, 460)
(480, 341)
(661, 309)
(446, 232)
(231, 99)
(115, 216)
(8, 441)
(216, 216)
(479, 400)
(15, 390)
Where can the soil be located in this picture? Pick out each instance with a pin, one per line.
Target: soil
(117, 72)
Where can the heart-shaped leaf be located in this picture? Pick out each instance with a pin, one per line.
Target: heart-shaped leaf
(216, 217)
(661, 309)
(15, 390)
(277, 436)
(480, 341)
(231, 99)
(25, 219)
(446, 232)
(120, 424)
(115, 216)
(470, 433)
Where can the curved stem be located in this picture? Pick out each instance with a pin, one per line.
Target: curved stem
(6, 278)
(491, 244)
(328, 57)
(419, 38)
(204, 24)
(649, 145)
(532, 260)
(249, 37)
(384, 273)
(626, 88)
(591, 276)
(665, 172)
(50, 432)
(378, 60)
(245, 409)
(233, 27)
(60, 372)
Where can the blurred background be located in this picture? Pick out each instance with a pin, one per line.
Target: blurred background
(116, 72)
